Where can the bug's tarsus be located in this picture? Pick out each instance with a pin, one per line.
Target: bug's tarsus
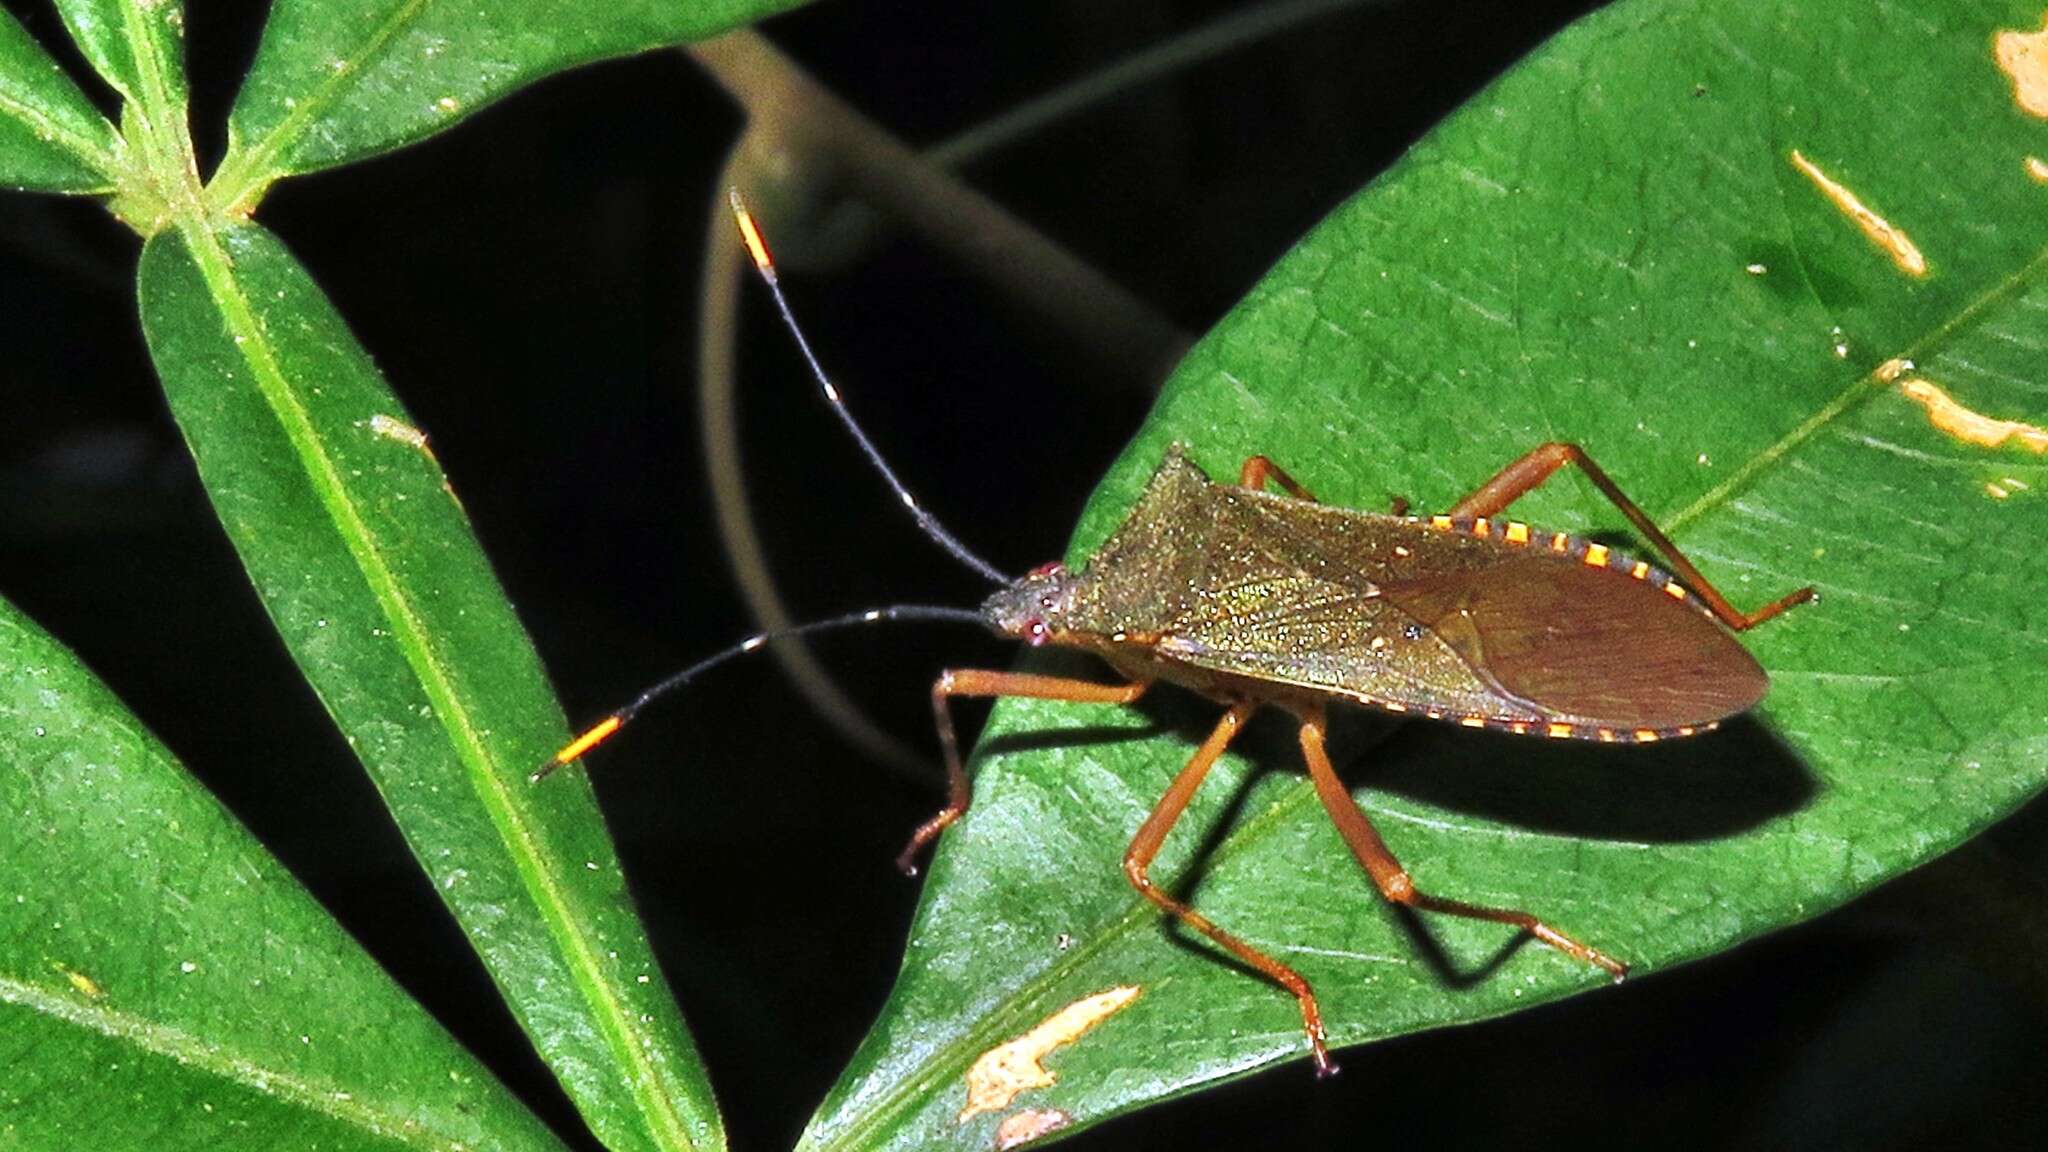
(608, 727)
(925, 520)
(1542, 462)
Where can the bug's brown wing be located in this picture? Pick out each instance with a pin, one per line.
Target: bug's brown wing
(1296, 630)
(1589, 645)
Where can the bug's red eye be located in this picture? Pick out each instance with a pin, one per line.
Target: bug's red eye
(1049, 568)
(1034, 630)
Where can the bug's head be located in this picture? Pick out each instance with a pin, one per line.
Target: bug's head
(1030, 608)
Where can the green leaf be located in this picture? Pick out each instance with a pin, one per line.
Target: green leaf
(366, 563)
(165, 984)
(51, 137)
(335, 82)
(138, 46)
(1613, 245)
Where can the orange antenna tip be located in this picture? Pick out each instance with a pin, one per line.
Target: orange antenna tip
(598, 734)
(752, 235)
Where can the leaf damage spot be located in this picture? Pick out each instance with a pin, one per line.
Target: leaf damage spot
(1892, 369)
(2038, 169)
(1003, 1071)
(392, 428)
(1029, 1125)
(2023, 56)
(1973, 427)
(1889, 238)
(84, 985)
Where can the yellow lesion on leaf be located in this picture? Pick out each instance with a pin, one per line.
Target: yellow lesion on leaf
(80, 983)
(1969, 426)
(1029, 1125)
(2038, 169)
(1889, 238)
(2023, 57)
(1003, 1071)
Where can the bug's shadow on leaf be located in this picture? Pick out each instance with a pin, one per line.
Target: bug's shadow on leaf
(1679, 791)
(1046, 739)
(1454, 974)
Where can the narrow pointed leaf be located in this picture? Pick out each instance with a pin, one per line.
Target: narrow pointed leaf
(51, 137)
(138, 47)
(164, 983)
(1641, 239)
(366, 564)
(335, 82)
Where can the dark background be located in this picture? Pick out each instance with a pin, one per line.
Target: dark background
(528, 283)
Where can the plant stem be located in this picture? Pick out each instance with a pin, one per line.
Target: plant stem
(1170, 56)
(793, 113)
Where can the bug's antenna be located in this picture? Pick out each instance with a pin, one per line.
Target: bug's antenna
(604, 729)
(925, 520)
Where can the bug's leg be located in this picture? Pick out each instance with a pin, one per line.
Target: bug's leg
(1258, 469)
(977, 682)
(1145, 846)
(1518, 478)
(1392, 880)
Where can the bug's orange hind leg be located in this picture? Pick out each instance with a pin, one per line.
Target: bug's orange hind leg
(1258, 469)
(1145, 847)
(1392, 879)
(1541, 463)
(976, 682)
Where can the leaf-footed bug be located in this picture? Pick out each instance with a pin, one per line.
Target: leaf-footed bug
(1255, 598)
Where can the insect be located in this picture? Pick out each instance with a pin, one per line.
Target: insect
(1255, 598)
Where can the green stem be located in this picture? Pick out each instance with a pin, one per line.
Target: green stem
(1163, 59)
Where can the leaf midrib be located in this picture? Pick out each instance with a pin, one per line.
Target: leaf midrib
(1861, 390)
(92, 154)
(338, 1103)
(244, 176)
(451, 713)
(954, 1057)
